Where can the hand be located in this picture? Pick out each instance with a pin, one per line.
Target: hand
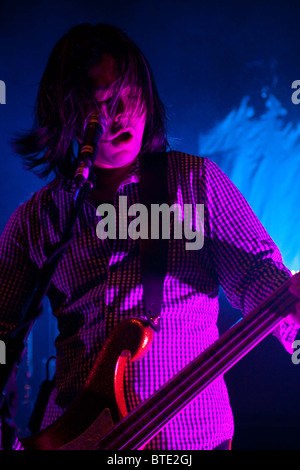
(294, 289)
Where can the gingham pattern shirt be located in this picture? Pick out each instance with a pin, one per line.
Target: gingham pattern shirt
(98, 283)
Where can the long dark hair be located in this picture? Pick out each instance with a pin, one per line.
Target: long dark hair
(65, 97)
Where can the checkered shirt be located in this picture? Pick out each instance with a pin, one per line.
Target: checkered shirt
(98, 283)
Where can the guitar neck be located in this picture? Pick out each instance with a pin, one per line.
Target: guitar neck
(143, 423)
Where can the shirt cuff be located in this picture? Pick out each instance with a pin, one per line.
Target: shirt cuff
(286, 333)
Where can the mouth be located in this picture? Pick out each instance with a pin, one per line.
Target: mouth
(123, 137)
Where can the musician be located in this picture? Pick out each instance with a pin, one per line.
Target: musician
(97, 283)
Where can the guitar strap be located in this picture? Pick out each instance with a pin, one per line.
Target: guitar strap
(153, 251)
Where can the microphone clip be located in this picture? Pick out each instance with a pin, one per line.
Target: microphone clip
(94, 127)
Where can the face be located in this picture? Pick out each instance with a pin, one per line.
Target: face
(122, 139)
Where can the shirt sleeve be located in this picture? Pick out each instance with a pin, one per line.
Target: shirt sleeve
(248, 263)
(17, 273)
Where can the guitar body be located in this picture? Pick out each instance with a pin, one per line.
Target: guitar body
(101, 402)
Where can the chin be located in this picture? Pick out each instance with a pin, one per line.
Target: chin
(116, 159)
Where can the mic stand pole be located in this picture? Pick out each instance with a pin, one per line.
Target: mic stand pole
(15, 342)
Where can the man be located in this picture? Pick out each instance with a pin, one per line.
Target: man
(97, 283)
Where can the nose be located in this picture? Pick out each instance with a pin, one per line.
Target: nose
(120, 111)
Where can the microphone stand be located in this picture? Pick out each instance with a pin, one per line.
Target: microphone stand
(15, 342)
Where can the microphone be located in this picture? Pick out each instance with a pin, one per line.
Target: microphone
(94, 127)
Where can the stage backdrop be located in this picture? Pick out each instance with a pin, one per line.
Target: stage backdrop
(225, 71)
